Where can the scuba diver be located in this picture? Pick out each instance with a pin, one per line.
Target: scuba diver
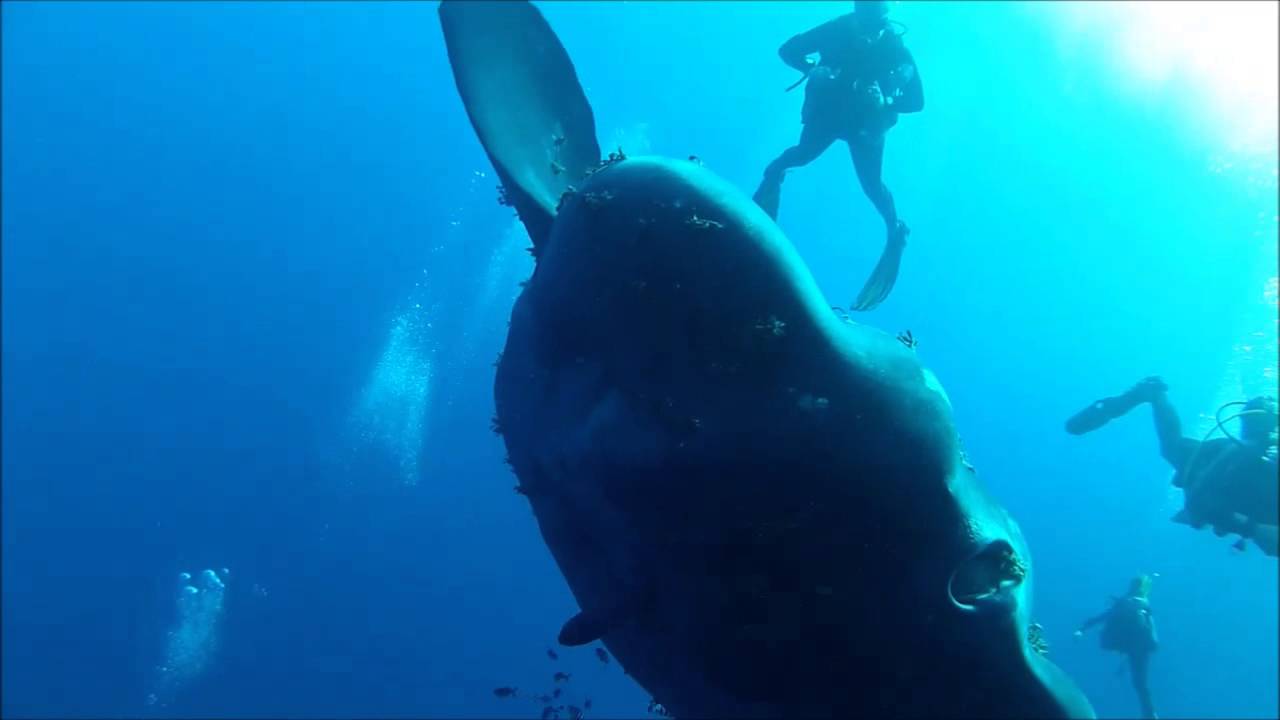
(864, 78)
(1130, 629)
(1229, 483)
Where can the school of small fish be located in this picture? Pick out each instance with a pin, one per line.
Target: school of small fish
(552, 711)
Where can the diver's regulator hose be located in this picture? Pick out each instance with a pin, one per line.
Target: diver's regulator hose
(1219, 424)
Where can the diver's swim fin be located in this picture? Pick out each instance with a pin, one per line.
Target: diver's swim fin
(1100, 413)
(768, 196)
(885, 275)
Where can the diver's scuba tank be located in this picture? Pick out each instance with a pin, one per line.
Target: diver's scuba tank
(1267, 455)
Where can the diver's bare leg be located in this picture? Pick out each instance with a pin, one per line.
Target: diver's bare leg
(1174, 448)
(867, 152)
(868, 161)
(1139, 664)
(813, 142)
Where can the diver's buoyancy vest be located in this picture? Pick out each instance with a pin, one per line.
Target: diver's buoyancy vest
(1225, 477)
(856, 63)
(1130, 627)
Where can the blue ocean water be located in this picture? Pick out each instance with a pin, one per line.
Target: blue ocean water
(255, 277)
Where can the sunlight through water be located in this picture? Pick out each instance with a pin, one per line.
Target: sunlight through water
(1219, 56)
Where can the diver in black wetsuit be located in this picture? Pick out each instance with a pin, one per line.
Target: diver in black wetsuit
(864, 79)
(1228, 483)
(1130, 629)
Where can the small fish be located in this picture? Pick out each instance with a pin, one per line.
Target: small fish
(561, 677)
(556, 694)
(552, 654)
(604, 656)
(504, 692)
(575, 713)
(544, 699)
(586, 704)
(548, 713)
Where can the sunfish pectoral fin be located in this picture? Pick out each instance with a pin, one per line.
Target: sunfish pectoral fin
(524, 101)
(593, 624)
(585, 627)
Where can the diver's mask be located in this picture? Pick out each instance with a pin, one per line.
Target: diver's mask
(871, 10)
(871, 17)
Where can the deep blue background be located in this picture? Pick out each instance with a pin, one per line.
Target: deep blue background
(214, 214)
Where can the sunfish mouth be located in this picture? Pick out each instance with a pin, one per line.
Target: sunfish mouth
(988, 577)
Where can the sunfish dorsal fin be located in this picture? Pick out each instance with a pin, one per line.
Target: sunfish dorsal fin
(524, 101)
